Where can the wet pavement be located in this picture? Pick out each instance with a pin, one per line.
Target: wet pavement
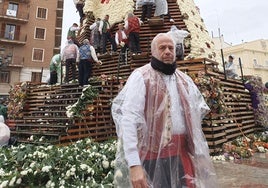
(245, 173)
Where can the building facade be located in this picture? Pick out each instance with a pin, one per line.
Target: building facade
(30, 34)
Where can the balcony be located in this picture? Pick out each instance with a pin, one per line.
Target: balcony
(22, 1)
(14, 16)
(15, 39)
(7, 59)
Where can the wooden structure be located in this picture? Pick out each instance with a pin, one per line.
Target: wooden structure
(45, 114)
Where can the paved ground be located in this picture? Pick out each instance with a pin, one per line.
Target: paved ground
(247, 173)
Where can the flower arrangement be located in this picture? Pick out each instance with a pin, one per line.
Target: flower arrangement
(244, 147)
(255, 86)
(82, 164)
(16, 104)
(88, 95)
(212, 92)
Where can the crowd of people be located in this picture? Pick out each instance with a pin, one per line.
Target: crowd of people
(126, 38)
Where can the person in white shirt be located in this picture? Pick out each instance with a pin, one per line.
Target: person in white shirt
(230, 69)
(158, 117)
(122, 41)
(79, 4)
(178, 36)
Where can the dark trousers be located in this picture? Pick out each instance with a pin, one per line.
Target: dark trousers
(134, 42)
(53, 77)
(85, 71)
(105, 37)
(146, 12)
(122, 57)
(70, 63)
(163, 172)
(79, 8)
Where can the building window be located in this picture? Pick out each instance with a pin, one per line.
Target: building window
(36, 77)
(4, 76)
(41, 13)
(38, 54)
(12, 9)
(39, 33)
(10, 32)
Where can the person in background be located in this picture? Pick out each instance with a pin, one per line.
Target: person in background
(230, 69)
(161, 9)
(72, 33)
(158, 117)
(55, 69)
(4, 132)
(178, 36)
(3, 109)
(87, 57)
(132, 26)
(79, 4)
(70, 55)
(122, 41)
(106, 35)
(146, 6)
(95, 38)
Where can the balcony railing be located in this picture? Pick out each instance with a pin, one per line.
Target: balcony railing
(12, 38)
(14, 15)
(22, 1)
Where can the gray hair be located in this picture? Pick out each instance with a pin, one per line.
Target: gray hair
(155, 39)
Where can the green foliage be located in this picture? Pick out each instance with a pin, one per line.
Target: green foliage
(88, 95)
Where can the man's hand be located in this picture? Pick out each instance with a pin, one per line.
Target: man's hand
(137, 177)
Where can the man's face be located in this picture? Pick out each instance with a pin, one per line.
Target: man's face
(165, 50)
(106, 18)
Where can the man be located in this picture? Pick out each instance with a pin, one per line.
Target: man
(79, 4)
(158, 121)
(147, 6)
(87, 56)
(178, 36)
(95, 38)
(72, 33)
(105, 33)
(132, 25)
(55, 69)
(70, 55)
(230, 69)
(122, 41)
(161, 9)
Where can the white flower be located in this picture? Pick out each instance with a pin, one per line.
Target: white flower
(231, 158)
(46, 168)
(24, 172)
(105, 164)
(118, 174)
(113, 163)
(32, 164)
(2, 172)
(19, 181)
(83, 166)
(31, 138)
(4, 183)
(12, 181)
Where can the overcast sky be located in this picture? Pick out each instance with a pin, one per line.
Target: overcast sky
(238, 20)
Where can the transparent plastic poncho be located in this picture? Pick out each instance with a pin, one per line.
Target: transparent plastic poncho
(171, 154)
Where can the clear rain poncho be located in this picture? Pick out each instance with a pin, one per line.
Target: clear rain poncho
(158, 122)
